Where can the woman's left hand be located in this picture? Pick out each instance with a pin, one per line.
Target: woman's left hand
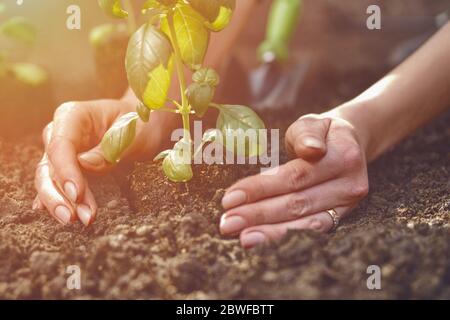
(329, 172)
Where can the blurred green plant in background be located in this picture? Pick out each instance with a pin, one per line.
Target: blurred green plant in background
(19, 31)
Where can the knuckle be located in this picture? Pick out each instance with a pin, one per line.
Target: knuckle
(298, 142)
(359, 190)
(296, 177)
(38, 177)
(47, 132)
(258, 218)
(66, 108)
(352, 157)
(37, 171)
(291, 134)
(299, 125)
(255, 189)
(53, 146)
(289, 131)
(314, 122)
(41, 164)
(316, 224)
(296, 205)
(310, 117)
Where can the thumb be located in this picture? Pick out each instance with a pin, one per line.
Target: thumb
(306, 138)
(94, 161)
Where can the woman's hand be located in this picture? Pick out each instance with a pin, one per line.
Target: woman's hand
(329, 172)
(71, 144)
(332, 151)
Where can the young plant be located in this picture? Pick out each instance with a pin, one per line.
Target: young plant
(175, 36)
(19, 30)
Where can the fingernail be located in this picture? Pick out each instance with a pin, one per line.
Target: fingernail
(71, 191)
(85, 214)
(35, 204)
(313, 143)
(234, 198)
(63, 214)
(233, 224)
(252, 239)
(93, 158)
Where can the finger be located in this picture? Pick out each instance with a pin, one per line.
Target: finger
(94, 161)
(87, 210)
(50, 197)
(306, 138)
(292, 206)
(66, 137)
(321, 222)
(296, 175)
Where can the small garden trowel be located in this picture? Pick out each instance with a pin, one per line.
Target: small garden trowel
(273, 85)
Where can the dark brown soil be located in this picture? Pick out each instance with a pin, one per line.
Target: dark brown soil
(155, 239)
(169, 247)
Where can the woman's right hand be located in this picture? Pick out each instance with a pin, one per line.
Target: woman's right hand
(328, 173)
(71, 143)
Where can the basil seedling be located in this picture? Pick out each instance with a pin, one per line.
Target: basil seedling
(176, 35)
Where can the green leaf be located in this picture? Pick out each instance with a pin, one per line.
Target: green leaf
(155, 94)
(29, 74)
(234, 121)
(176, 169)
(210, 135)
(177, 162)
(119, 137)
(148, 65)
(222, 21)
(19, 28)
(143, 112)
(113, 8)
(100, 34)
(206, 75)
(200, 96)
(154, 11)
(191, 34)
(218, 13)
(162, 155)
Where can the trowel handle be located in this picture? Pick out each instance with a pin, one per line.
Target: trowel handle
(283, 19)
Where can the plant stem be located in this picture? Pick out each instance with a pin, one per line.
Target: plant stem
(170, 110)
(132, 25)
(185, 109)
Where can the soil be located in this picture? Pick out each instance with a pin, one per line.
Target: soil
(156, 239)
